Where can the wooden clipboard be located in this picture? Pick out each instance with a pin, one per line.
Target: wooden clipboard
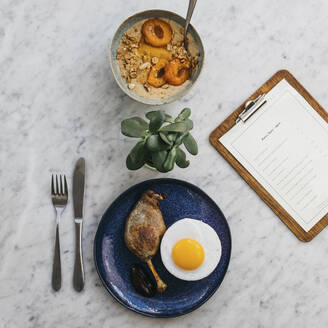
(225, 126)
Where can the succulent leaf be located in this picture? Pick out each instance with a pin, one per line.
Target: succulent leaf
(179, 139)
(168, 118)
(190, 144)
(158, 159)
(137, 156)
(170, 160)
(189, 123)
(184, 114)
(134, 127)
(174, 127)
(156, 121)
(181, 159)
(172, 136)
(165, 138)
(155, 143)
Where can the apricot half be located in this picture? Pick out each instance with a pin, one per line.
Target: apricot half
(177, 72)
(156, 32)
(149, 52)
(156, 76)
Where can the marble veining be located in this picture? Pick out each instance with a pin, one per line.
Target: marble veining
(59, 101)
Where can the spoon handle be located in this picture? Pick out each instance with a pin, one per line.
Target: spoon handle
(191, 7)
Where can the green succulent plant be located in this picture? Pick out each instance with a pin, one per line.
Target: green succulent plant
(160, 140)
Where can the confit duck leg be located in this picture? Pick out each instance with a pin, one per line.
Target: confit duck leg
(144, 230)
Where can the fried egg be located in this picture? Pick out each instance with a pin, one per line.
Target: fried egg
(190, 249)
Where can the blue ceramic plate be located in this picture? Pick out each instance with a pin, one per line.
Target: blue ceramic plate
(113, 260)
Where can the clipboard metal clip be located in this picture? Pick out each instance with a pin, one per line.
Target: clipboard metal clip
(251, 107)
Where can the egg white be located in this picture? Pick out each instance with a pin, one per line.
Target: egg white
(199, 231)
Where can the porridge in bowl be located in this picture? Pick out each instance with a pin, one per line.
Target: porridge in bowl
(152, 58)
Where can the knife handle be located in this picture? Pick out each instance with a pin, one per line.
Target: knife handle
(78, 276)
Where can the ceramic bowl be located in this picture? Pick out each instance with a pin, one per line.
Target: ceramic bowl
(115, 42)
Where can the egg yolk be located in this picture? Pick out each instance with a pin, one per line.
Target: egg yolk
(188, 254)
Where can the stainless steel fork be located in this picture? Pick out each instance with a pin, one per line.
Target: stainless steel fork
(59, 196)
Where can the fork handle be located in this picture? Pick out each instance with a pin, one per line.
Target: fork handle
(78, 276)
(56, 267)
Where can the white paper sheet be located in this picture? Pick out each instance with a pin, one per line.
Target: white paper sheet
(284, 146)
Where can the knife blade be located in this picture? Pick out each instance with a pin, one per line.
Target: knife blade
(78, 188)
(78, 195)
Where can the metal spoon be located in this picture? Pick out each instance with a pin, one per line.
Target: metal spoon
(191, 7)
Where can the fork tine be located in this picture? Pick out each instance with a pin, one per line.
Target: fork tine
(65, 186)
(57, 189)
(61, 185)
(52, 185)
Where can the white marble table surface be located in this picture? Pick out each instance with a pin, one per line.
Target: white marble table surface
(59, 101)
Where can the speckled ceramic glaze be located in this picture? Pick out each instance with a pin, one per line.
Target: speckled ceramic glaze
(125, 26)
(113, 260)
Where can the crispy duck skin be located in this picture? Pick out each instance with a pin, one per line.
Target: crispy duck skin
(144, 229)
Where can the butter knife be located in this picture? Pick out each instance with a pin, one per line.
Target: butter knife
(78, 194)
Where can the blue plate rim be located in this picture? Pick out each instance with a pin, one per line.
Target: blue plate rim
(121, 301)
